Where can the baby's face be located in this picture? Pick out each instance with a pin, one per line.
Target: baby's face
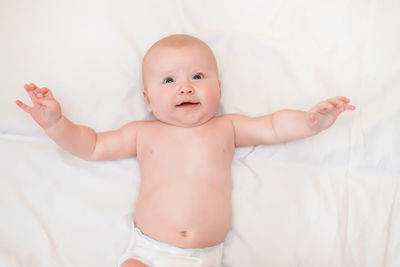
(181, 84)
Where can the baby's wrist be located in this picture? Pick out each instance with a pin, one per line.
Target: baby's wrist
(313, 127)
(54, 124)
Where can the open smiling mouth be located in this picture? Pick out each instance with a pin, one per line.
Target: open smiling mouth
(187, 104)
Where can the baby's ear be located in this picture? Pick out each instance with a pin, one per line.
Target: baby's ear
(146, 99)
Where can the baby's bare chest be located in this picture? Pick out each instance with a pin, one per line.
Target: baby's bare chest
(193, 150)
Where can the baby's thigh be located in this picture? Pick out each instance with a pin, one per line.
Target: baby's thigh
(133, 263)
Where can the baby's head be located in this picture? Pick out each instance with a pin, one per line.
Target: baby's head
(181, 85)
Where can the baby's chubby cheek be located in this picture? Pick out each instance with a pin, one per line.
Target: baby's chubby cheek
(162, 109)
(213, 102)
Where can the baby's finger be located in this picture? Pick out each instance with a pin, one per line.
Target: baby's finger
(336, 102)
(22, 105)
(350, 107)
(344, 99)
(324, 107)
(30, 92)
(46, 92)
(36, 91)
(34, 86)
(312, 117)
(28, 87)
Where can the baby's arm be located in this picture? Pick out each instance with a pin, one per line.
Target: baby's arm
(287, 125)
(79, 140)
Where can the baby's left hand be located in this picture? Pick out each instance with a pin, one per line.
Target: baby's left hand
(325, 113)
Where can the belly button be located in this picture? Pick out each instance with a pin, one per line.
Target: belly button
(183, 233)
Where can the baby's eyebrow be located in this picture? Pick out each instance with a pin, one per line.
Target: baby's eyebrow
(167, 73)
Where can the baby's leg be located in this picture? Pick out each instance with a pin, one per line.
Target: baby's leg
(133, 263)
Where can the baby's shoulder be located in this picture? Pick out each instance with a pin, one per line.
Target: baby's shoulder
(228, 118)
(224, 121)
(141, 124)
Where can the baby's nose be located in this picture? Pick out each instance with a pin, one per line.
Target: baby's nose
(186, 90)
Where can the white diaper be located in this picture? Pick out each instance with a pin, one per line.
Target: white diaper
(158, 254)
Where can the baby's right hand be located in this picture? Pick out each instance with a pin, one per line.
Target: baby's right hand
(46, 111)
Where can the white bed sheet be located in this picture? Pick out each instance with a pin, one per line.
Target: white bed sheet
(329, 200)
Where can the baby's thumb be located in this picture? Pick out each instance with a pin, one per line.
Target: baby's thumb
(312, 117)
(23, 106)
(46, 92)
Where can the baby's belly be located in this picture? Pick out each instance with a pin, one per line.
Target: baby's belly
(185, 213)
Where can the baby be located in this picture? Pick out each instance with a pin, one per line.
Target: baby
(184, 211)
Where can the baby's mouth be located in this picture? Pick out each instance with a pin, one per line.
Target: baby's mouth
(187, 104)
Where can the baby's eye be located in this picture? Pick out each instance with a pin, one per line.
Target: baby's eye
(169, 80)
(198, 76)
